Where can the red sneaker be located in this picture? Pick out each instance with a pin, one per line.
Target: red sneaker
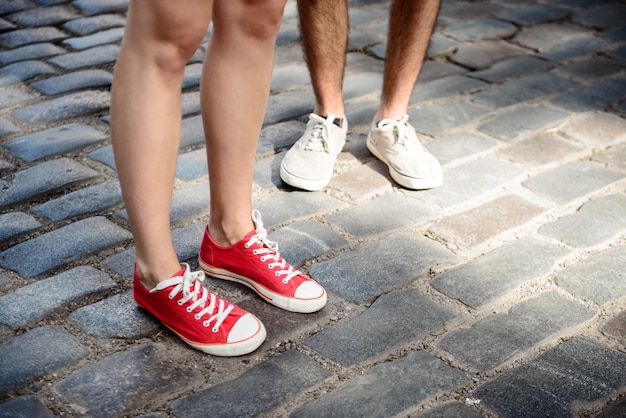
(255, 262)
(201, 318)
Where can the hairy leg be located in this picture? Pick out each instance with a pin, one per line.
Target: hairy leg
(160, 38)
(324, 29)
(411, 23)
(234, 91)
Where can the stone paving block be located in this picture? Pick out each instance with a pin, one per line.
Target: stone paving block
(93, 7)
(118, 384)
(16, 308)
(15, 5)
(369, 334)
(616, 328)
(614, 157)
(490, 276)
(115, 317)
(43, 16)
(24, 70)
(540, 149)
(547, 36)
(444, 87)
(387, 389)
(602, 15)
(279, 136)
(440, 45)
(25, 407)
(61, 246)
(584, 45)
(497, 338)
(362, 84)
(284, 207)
(509, 125)
(361, 112)
(30, 52)
(615, 410)
(13, 224)
(592, 68)
(473, 227)
(193, 74)
(596, 129)
(26, 36)
(73, 81)
(53, 141)
(385, 213)
(600, 278)
(593, 97)
(512, 67)
(104, 155)
(5, 165)
(6, 25)
(435, 119)
(192, 201)
(479, 29)
(72, 105)
(483, 54)
(576, 370)
(450, 410)
(81, 202)
(523, 89)
(191, 103)
(451, 147)
(305, 239)
(433, 70)
(43, 178)
(571, 181)
(362, 183)
(88, 25)
(7, 128)
(192, 131)
(596, 221)
(469, 181)
(460, 11)
(381, 266)
(35, 353)
(531, 14)
(269, 384)
(15, 96)
(192, 165)
(289, 77)
(109, 36)
(282, 106)
(97, 55)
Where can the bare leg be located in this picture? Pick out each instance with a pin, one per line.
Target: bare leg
(324, 29)
(235, 89)
(160, 38)
(411, 23)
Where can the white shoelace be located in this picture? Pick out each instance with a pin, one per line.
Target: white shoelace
(269, 251)
(190, 284)
(320, 133)
(401, 129)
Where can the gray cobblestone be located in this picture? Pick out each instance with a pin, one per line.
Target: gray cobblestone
(547, 387)
(192, 131)
(88, 25)
(390, 263)
(97, 55)
(126, 380)
(287, 105)
(614, 156)
(362, 84)
(16, 223)
(108, 36)
(93, 7)
(553, 147)
(522, 121)
(444, 87)
(598, 278)
(290, 77)
(81, 202)
(532, 14)
(596, 221)
(22, 358)
(435, 119)
(589, 69)
(387, 389)
(69, 243)
(485, 28)
(25, 407)
(450, 410)
(511, 67)
(582, 46)
(279, 136)
(43, 16)
(15, 96)
(7, 128)
(115, 317)
(498, 338)
(269, 383)
(283, 207)
(602, 15)
(104, 155)
(192, 165)
(22, 71)
(75, 104)
(596, 129)
(572, 181)
(14, 5)
(593, 97)
(53, 141)
(616, 328)
(73, 81)
(43, 178)
(30, 52)
(482, 54)
(500, 271)
(369, 335)
(546, 36)
(451, 147)
(34, 301)
(27, 36)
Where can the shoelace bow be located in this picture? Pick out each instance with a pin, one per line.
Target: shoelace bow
(320, 132)
(190, 284)
(401, 129)
(269, 250)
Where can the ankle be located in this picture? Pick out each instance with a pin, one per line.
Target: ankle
(151, 276)
(227, 235)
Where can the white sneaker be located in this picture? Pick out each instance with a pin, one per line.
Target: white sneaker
(309, 163)
(395, 143)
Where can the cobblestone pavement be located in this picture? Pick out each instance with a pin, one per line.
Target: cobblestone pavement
(501, 293)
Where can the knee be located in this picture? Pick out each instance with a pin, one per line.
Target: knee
(260, 19)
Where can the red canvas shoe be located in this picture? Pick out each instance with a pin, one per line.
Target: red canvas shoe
(255, 262)
(202, 319)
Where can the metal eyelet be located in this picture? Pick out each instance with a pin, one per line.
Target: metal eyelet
(188, 309)
(215, 330)
(197, 316)
(285, 281)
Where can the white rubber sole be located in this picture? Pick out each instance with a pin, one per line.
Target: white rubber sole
(311, 185)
